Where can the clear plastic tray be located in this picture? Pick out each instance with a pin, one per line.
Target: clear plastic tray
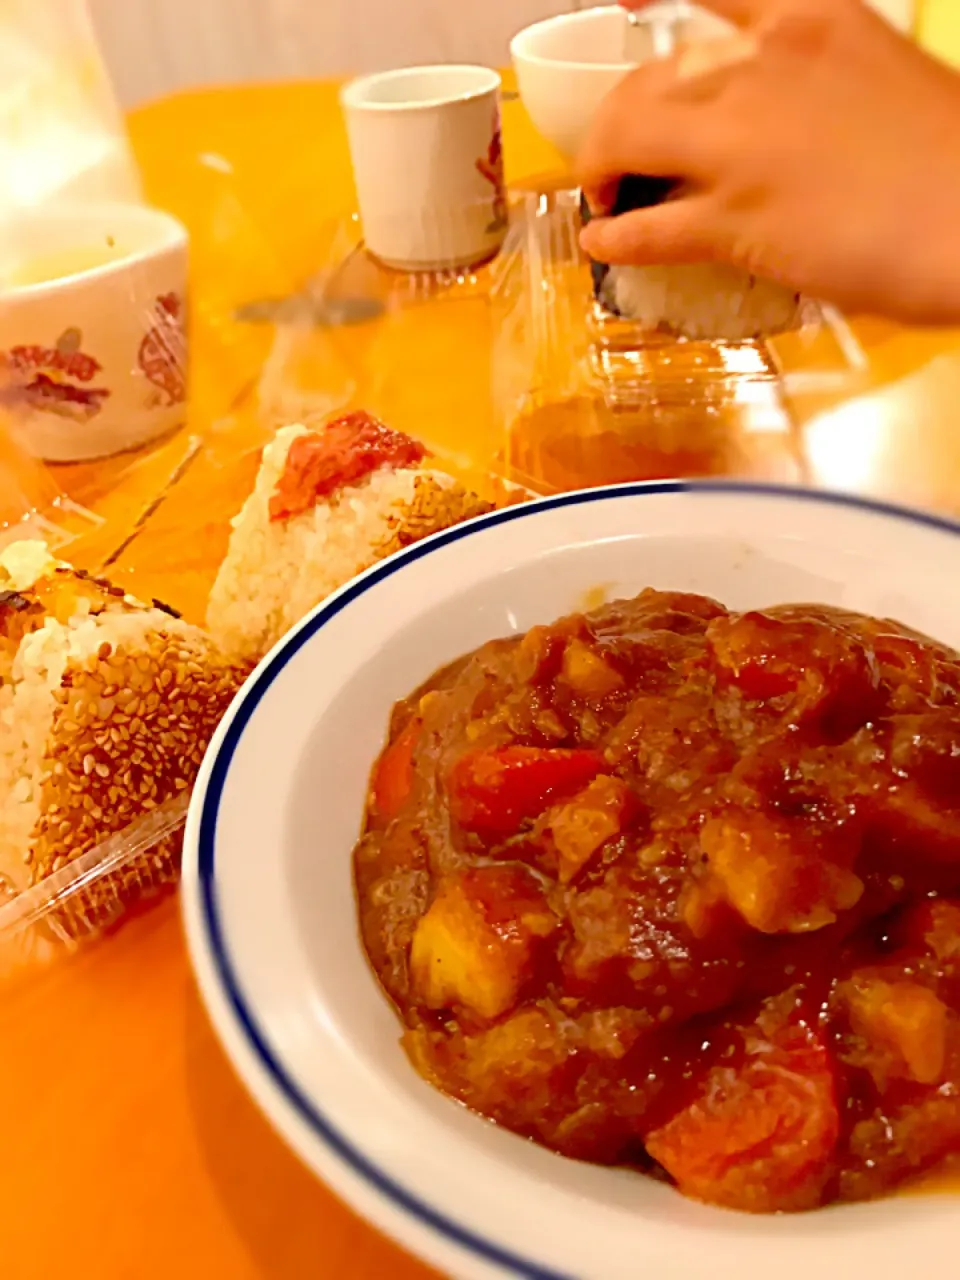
(92, 894)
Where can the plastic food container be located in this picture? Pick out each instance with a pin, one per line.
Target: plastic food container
(588, 398)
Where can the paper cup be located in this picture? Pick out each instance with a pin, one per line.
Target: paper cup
(92, 329)
(428, 164)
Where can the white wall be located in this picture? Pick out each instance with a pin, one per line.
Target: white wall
(155, 46)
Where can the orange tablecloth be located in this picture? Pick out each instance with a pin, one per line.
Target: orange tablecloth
(129, 1149)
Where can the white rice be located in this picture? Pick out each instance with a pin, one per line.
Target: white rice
(24, 562)
(704, 302)
(276, 571)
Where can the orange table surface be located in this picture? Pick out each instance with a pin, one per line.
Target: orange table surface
(129, 1148)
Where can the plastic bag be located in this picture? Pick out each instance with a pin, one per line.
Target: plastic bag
(61, 132)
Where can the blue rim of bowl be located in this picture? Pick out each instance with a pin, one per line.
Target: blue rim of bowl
(453, 1232)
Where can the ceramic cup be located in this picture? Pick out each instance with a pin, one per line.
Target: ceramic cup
(567, 65)
(427, 160)
(93, 352)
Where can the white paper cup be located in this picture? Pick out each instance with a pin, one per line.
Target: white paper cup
(93, 362)
(427, 160)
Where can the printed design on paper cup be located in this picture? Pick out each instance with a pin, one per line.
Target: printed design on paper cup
(51, 379)
(490, 167)
(163, 352)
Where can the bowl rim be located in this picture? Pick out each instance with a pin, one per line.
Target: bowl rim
(354, 96)
(577, 17)
(169, 235)
(229, 1010)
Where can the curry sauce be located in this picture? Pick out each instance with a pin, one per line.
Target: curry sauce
(673, 887)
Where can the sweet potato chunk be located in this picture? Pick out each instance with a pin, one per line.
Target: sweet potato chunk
(888, 1149)
(777, 877)
(820, 671)
(586, 673)
(897, 1021)
(538, 655)
(582, 827)
(940, 923)
(904, 1026)
(760, 1133)
(476, 945)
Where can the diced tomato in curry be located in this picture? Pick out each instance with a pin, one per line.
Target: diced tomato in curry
(666, 886)
(494, 792)
(763, 1124)
(343, 452)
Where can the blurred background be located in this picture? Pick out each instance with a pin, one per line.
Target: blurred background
(156, 46)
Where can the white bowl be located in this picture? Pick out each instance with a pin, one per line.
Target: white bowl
(567, 65)
(271, 918)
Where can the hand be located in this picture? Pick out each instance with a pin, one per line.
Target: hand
(816, 146)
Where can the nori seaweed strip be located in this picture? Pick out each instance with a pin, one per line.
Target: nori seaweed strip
(634, 192)
(14, 601)
(598, 270)
(166, 608)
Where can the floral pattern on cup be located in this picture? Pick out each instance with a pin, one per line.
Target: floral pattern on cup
(490, 167)
(163, 353)
(53, 379)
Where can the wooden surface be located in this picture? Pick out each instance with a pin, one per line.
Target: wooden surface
(129, 1149)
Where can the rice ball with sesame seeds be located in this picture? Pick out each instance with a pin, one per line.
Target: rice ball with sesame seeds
(106, 708)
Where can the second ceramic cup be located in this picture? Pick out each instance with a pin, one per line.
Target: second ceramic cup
(428, 164)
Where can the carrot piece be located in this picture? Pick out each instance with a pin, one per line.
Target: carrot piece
(393, 780)
(760, 1134)
(492, 792)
